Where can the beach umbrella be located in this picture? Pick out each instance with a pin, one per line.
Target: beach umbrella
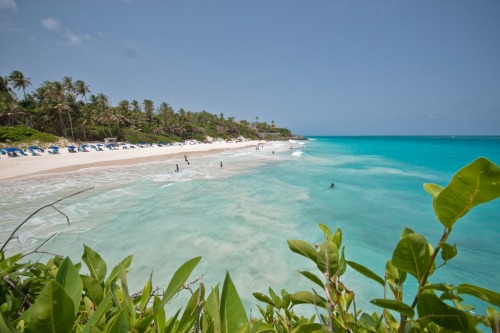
(72, 147)
(54, 147)
(35, 148)
(84, 146)
(11, 149)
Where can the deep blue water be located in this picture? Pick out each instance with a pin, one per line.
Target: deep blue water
(239, 217)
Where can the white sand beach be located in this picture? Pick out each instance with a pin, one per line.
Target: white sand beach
(18, 167)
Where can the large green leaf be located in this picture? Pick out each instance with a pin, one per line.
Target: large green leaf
(53, 311)
(366, 272)
(92, 288)
(412, 255)
(303, 248)
(476, 183)
(68, 277)
(179, 279)
(95, 264)
(430, 307)
(328, 257)
(307, 297)
(486, 295)
(394, 305)
(233, 316)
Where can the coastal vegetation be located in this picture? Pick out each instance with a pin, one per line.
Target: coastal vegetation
(68, 109)
(62, 296)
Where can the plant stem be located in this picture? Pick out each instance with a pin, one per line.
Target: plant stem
(423, 281)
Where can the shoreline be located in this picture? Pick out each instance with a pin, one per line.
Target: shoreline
(46, 164)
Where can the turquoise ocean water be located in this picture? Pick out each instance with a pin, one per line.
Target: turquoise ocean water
(239, 217)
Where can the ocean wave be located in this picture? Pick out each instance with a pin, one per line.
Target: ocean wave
(388, 171)
(297, 153)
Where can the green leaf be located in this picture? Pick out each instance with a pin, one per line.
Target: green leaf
(99, 313)
(179, 279)
(412, 255)
(188, 318)
(476, 183)
(233, 316)
(328, 233)
(117, 324)
(486, 295)
(307, 297)
(313, 278)
(309, 328)
(92, 288)
(406, 232)
(303, 248)
(433, 189)
(430, 307)
(448, 251)
(263, 298)
(328, 258)
(394, 274)
(116, 270)
(366, 272)
(337, 238)
(9, 264)
(212, 309)
(95, 264)
(5, 325)
(146, 291)
(159, 318)
(53, 311)
(394, 305)
(259, 327)
(68, 277)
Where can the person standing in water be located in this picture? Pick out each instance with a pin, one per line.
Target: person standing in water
(221, 164)
(177, 168)
(332, 186)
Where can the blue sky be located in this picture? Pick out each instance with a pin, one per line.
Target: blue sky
(318, 67)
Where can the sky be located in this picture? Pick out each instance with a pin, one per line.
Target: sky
(317, 67)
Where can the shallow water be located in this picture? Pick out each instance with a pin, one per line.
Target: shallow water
(239, 217)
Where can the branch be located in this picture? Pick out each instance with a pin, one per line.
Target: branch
(36, 212)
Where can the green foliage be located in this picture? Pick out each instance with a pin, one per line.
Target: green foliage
(21, 134)
(56, 297)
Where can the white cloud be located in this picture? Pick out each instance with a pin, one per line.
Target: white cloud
(8, 4)
(50, 23)
(73, 39)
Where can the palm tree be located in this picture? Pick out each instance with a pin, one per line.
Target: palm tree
(81, 89)
(54, 100)
(4, 85)
(149, 110)
(19, 81)
(104, 111)
(9, 109)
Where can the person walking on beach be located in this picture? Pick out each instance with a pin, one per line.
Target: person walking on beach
(177, 168)
(221, 164)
